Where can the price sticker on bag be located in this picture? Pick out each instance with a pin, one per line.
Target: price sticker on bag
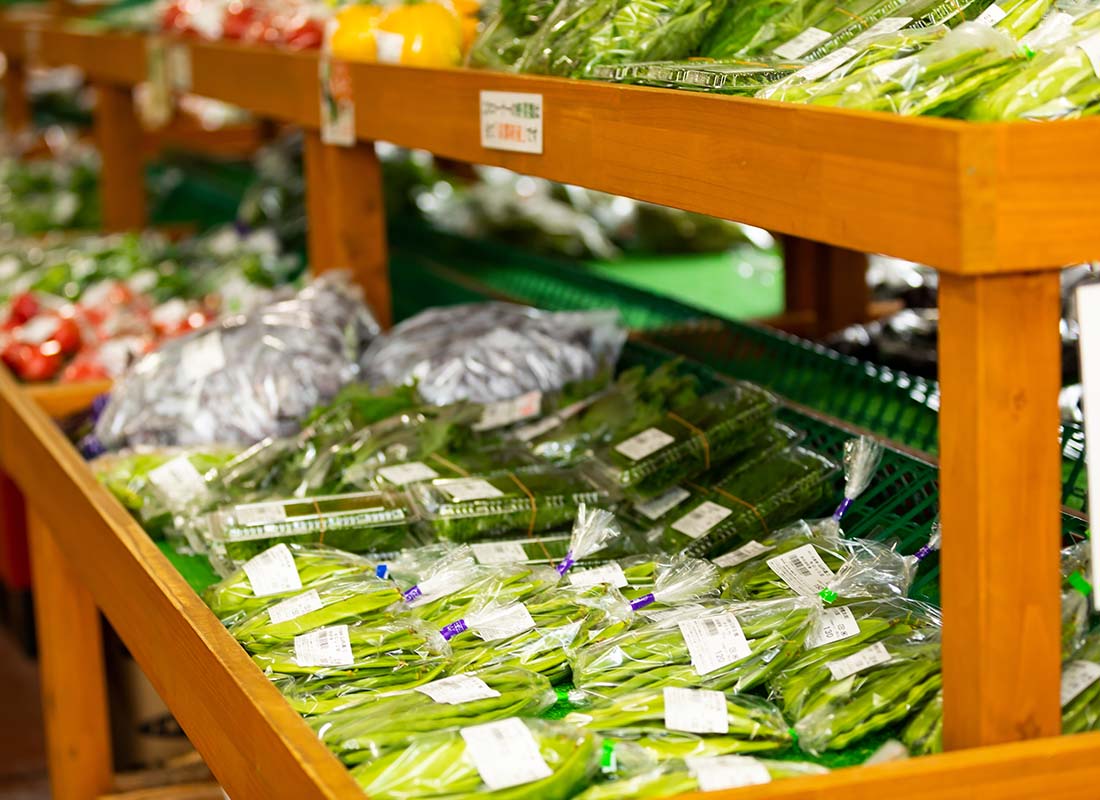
(505, 753)
(716, 773)
(458, 689)
(293, 607)
(658, 506)
(404, 474)
(834, 625)
(507, 412)
(273, 572)
(462, 489)
(547, 424)
(179, 482)
(511, 121)
(324, 647)
(803, 570)
(644, 444)
(251, 515)
(746, 552)
(499, 552)
(695, 710)
(1076, 677)
(714, 642)
(866, 658)
(611, 574)
(701, 519)
(991, 16)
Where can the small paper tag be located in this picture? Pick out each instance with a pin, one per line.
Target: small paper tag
(883, 26)
(1091, 48)
(695, 710)
(505, 753)
(834, 625)
(249, 515)
(499, 552)
(458, 689)
(701, 519)
(645, 443)
(273, 572)
(547, 424)
(511, 121)
(462, 489)
(745, 552)
(501, 623)
(202, 356)
(178, 481)
(803, 570)
(657, 507)
(337, 102)
(324, 647)
(608, 573)
(404, 474)
(866, 658)
(715, 773)
(156, 104)
(823, 66)
(294, 607)
(506, 412)
(714, 642)
(803, 43)
(178, 57)
(1076, 677)
(991, 16)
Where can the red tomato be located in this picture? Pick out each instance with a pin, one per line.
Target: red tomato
(42, 366)
(15, 356)
(238, 18)
(23, 307)
(305, 33)
(68, 336)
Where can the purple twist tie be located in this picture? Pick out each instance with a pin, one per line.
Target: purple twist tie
(99, 402)
(91, 447)
(451, 631)
(642, 602)
(566, 563)
(842, 509)
(923, 552)
(413, 593)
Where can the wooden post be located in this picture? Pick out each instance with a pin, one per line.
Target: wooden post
(17, 106)
(1000, 374)
(319, 237)
(119, 138)
(72, 673)
(825, 287)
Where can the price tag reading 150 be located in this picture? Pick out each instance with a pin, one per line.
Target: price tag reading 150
(511, 121)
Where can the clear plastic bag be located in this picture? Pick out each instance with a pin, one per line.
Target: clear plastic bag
(494, 351)
(675, 777)
(499, 583)
(646, 576)
(1081, 687)
(249, 377)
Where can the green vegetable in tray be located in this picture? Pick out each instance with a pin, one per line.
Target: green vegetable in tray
(676, 777)
(1081, 688)
(651, 30)
(923, 735)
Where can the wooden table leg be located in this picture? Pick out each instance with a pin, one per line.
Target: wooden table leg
(72, 673)
(825, 284)
(17, 106)
(1000, 373)
(319, 236)
(119, 138)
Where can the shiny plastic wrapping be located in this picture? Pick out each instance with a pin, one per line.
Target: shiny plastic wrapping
(494, 351)
(249, 377)
(699, 774)
(501, 584)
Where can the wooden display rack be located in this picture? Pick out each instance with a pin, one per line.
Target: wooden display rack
(997, 208)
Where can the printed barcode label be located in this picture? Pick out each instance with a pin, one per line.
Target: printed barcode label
(324, 647)
(1091, 48)
(695, 710)
(458, 689)
(645, 443)
(701, 519)
(511, 121)
(1076, 677)
(866, 658)
(462, 489)
(715, 773)
(743, 553)
(537, 429)
(883, 26)
(608, 573)
(404, 474)
(714, 642)
(499, 552)
(803, 570)
(803, 43)
(505, 753)
(294, 607)
(251, 514)
(834, 625)
(657, 507)
(497, 415)
(202, 356)
(273, 572)
(823, 66)
(991, 16)
(178, 482)
(501, 622)
(888, 69)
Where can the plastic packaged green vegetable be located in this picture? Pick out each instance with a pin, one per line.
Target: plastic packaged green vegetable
(700, 774)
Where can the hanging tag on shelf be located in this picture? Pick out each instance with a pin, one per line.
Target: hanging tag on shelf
(337, 103)
(155, 100)
(178, 64)
(511, 121)
(1088, 321)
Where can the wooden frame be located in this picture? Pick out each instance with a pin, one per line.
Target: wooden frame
(996, 208)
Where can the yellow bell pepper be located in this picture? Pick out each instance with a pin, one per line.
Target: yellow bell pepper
(353, 38)
(420, 34)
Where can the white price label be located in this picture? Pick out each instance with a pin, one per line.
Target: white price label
(657, 507)
(803, 43)
(823, 66)
(868, 657)
(715, 773)
(462, 489)
(202, 356)
(178, 482)
(834, 625)
(511, 121)
(404, 474)
(294, 607)
(178, 62)
(745, 552)
(273, 572)
(714, 642)
(250, 515)
(803, 570)
(502, 622)
(608, 573)
(324, 647)
(537, 429)
(645, 443)
(505, 753)
(701, 519)
(1091, 48)
(458, 689)
(991, 16)
(499, 552)
(695, 711)
(506, 412)
(883, 26)
(1076, 677)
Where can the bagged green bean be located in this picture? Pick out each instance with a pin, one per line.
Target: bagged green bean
(1080, 695)
(846, 20)
(727, 646)
(721, 425)
(698, 774)
(1075, 596)
(749, 504)
(592, 531)
(638, 577)
(280, 572)
(508, 759)
(674, 582)
(278, 623)
(675, 722)
(468, 509)
(500, 583)
(1015, 17)
(377, 724)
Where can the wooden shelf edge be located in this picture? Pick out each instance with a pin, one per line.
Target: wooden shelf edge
(62, 399)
